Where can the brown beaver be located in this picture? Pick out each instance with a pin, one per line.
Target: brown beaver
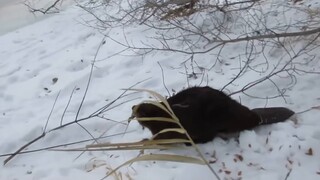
(204, 112)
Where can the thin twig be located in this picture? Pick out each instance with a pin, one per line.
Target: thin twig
(89, 79)
(42, 10)
(55, 146)
(163, 81)
(54, 104)
(288, 174)
(37, 138)
(67, 106)
(22, 148)
(103, 109)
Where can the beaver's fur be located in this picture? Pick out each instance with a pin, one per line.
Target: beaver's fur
(204, 112)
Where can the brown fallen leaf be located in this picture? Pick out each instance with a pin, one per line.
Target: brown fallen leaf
(310, 152)
(239, 157)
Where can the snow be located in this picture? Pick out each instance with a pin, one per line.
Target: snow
(14, 14)
(52, 57)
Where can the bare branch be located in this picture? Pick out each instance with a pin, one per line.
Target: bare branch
(163, 81)
(47, 10)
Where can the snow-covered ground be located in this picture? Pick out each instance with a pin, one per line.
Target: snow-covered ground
(14, 14)
(53, 57)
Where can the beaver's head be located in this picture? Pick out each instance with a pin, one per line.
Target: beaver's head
(147, 110)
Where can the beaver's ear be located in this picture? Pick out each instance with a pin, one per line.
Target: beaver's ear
(135, 108)
(134, 112)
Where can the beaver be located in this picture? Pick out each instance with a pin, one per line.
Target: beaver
(204, 112)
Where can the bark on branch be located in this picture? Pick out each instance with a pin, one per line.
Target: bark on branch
(271, 36)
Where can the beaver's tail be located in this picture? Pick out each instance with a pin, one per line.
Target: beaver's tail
(273, 114)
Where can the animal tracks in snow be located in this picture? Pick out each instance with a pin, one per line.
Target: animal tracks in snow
(78, 66)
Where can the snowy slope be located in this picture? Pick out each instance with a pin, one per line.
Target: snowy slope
(14, 14)
(52, 57)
